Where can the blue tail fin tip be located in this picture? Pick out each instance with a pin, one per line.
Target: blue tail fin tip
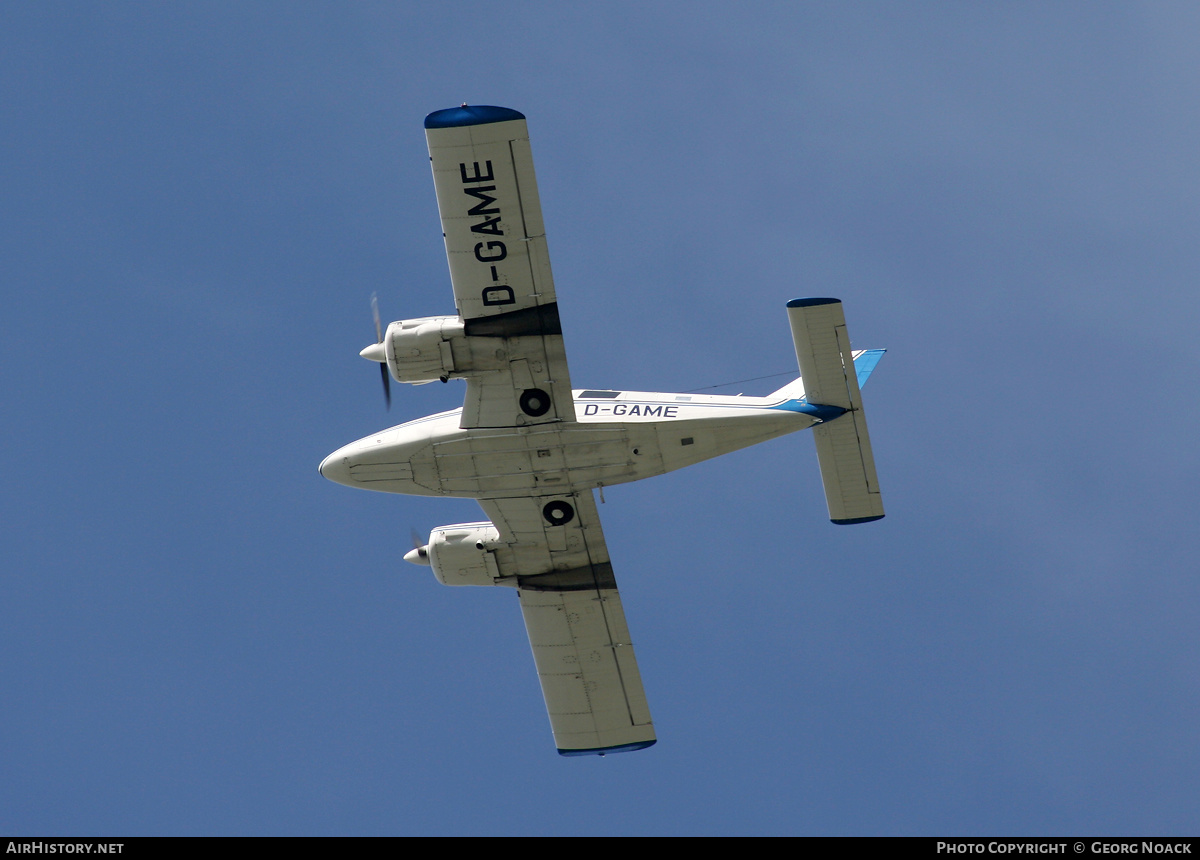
(865, 363)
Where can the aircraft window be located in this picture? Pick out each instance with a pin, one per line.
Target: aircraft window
(686, 440)
(600, 394)
(683, 398)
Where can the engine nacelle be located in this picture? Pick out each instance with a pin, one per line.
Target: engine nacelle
(461, 554)
(418, 350)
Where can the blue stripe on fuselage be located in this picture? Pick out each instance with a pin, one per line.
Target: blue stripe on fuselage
(817, 410)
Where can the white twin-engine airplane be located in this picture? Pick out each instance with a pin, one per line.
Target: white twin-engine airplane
(532, 450)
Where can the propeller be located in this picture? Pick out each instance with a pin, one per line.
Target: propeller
(377, 352)
(419, 554)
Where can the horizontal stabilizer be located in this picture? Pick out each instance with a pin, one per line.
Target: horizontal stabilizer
(831, 378)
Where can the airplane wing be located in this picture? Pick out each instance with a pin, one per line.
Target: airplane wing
(575, 622)
(499, 266)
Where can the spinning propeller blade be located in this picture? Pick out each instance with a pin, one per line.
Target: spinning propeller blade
(419, 554)
(383, 368)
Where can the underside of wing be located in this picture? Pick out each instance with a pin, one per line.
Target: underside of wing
(499, 265)
(575, 621)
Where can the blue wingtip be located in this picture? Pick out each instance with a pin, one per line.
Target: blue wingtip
(856, 520)
(640, 745)
(470, 115)
(808, 303)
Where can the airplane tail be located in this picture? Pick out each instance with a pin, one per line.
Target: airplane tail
(832, 375)
(865, 361)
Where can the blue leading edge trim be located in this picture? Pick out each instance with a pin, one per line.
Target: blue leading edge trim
(470, 115)
(856, 520)
(640, 745)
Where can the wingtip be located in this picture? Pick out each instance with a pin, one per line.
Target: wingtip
(856, 520)
(808, 303)
(602, 751)
(470, 115)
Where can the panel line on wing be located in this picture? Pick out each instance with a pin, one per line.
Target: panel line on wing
(589, 667)
(528, 240)
(613, 645)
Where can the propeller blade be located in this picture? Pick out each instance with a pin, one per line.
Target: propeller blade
(375, 313)
(419, 554)
(383, 368)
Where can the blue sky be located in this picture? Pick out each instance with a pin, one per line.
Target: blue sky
(202, 636)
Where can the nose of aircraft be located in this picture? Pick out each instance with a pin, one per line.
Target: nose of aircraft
(335, 468)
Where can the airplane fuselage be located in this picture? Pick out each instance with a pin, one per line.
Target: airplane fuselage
(618, 437)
